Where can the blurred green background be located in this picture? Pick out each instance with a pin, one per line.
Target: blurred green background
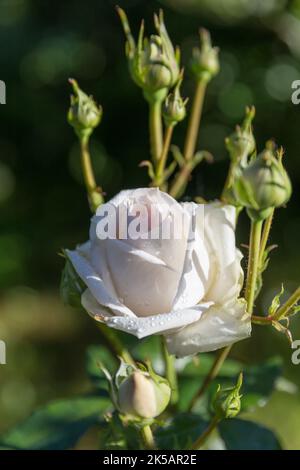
(42, 200)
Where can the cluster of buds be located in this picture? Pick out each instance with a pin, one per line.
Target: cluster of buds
(84, 114)
(174, 108)
(153, 62)
(204, 63)
(138, 392)
(262, 184)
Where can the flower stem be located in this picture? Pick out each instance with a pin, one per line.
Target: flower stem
(155, 128)
(283, 310)
(212, 374)
(194, 121)
(261, 320)
(183, 175)
(171, 373)
(159, 180)
(265, 236)
(94, 192)
(205, 435)
(114, 344)
(148, 438)
(253, 263)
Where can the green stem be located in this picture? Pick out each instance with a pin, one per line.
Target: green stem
(94, 192)
(155, 128)
(87, 169)
(114, 344)
(265, 236)
(283, 310)
(182, 177)
(253, 263)
(212, 374)
(194, 121)
(261, 320)
(171, 373)
(159, 180)
(205, 435)
(148, 438)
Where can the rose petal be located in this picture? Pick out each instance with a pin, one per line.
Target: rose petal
(95, 284)
(164, 322)
(224, 257)
(195, 274)
(218, 327)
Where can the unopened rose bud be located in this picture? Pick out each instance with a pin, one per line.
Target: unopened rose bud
(84, 114)
(227, 402)
(241, 143)
(153, 62)
(262, 185)
(140, 396)
(174, 108)
(204, 63)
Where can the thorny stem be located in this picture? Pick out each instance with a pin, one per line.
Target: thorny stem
(205, 435)
(283, 310)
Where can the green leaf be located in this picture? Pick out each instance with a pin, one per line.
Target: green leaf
(71, 286)
(239, 434)
(94, 356)
(180, 432)
(275, 302)
(58, 425)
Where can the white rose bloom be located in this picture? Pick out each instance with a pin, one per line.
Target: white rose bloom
(185, 288)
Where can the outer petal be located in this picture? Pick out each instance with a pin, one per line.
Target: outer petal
(143, 326)
(219, 228)
(196, 270)
(95, 283)
(219, 326)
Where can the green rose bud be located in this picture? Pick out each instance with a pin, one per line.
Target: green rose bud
(241, 143)
(204, 63)
(174, 108)
(153, 62)
(227, 402)
(262, 185)
(84, 114)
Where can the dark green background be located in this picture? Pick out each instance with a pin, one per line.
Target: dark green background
(42, 200)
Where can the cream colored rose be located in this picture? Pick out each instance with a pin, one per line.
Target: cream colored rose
(184, 286)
